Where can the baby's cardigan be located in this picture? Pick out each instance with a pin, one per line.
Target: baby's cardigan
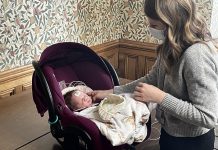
(190, 107)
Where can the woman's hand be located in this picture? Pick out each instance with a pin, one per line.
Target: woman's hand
(99, 94)
(148, 93)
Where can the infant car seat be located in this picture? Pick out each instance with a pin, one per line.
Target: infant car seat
(69, 62)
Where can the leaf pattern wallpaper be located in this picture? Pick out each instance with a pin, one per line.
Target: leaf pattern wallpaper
(27, 27)
(134, 23)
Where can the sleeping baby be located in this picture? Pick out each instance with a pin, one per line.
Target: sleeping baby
(119, 117)
(76, 98)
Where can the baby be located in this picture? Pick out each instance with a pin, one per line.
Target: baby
(76, 98)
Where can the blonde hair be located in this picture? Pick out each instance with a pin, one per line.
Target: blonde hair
(184, 27)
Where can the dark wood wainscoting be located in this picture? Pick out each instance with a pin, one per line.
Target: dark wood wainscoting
(131, 60)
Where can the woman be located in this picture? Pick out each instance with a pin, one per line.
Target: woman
(184, 80)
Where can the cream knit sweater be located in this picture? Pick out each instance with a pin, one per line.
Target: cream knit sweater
(190, 107)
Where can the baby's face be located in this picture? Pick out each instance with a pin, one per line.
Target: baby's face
(81, 99)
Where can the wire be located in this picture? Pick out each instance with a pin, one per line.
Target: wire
(158, 130)
(155, 139)
(154, 123)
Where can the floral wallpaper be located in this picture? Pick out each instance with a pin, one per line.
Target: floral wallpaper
(134, 22)
(27, 27)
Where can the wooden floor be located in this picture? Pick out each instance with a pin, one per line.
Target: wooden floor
(20, 124)
(22, 128)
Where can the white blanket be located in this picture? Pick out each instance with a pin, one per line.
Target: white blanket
(120, 118)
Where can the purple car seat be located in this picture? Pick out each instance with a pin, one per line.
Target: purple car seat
(69, 62)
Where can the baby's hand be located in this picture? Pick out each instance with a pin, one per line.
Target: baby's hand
(92, 94)
(98, 95)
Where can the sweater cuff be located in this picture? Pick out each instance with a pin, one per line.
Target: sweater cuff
(117, 90)
(169, 103)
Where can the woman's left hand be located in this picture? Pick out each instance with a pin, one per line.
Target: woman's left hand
(148, 93)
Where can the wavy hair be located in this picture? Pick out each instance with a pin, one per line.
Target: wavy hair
(184, 27)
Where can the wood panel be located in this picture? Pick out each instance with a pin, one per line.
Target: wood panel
(149, 63)
(131, 60)
(141, 66)
(131, 67)
(121, 65)
(135, 58)
(109, 51)
(111, 56)
(15, 80)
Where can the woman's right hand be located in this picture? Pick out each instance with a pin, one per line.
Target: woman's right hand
(99, 94)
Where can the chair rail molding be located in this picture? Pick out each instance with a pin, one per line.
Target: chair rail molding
(15, 80)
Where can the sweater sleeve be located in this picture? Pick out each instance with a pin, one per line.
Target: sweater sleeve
(200, 75)
(150, 78)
